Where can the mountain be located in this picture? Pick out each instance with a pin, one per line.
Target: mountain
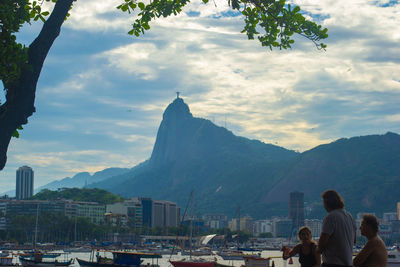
(365, 170)
(81, 179)
(227, 171)
(193, 153)
(181, 138)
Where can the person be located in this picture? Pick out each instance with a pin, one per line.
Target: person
(307, 249)
(374, 253)
(338, 234)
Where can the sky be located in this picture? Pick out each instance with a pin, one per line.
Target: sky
(102, 92)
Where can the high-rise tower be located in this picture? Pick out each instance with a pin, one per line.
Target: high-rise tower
(296, 209)
(24, 188)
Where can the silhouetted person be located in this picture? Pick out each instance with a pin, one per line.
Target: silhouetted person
(338, 233)
(307, 249)
(374, 253)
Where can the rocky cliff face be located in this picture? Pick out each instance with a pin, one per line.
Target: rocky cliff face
(172, 134)
(182, 137)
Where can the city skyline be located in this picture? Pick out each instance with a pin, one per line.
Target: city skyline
(102, 93)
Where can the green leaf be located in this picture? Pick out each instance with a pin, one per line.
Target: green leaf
(141, 5)
(46, 13)
(235, 4)
(15, 134)
(124, 7)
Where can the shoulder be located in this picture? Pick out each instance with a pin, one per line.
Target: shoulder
(332, 216)
(347, 213)
(298, 246)
(377, 241)
(329, 216)
(313, 245)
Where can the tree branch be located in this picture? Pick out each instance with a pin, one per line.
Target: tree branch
(20, 98)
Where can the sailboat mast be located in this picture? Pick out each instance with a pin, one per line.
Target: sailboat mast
(238, 226)
(36, 225)
(75, 228)
(191, 225)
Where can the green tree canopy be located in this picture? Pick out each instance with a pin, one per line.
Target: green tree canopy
(90, 195)
(272, 22)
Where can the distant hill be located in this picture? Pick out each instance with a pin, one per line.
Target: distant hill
(227, 172)
(77, 194)
(79, 180)
(365, 170)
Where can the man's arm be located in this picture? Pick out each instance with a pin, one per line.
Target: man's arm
(363, 254)
(322, 242)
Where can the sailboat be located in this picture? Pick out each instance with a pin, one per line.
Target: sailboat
(35, 258)
(198, 262)
(37, 261)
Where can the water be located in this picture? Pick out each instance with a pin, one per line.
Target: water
(164, 261)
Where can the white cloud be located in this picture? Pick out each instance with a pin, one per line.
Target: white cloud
(112, 104)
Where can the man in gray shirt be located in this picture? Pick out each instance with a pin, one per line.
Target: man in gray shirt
(338, 233)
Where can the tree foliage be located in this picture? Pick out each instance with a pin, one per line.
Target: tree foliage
(272, 22)
(52, 227)
(88, 195)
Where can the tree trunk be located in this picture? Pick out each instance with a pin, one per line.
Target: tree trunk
(20, 97)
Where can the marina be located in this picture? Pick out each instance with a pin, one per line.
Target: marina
(161, 260)
(109, 258)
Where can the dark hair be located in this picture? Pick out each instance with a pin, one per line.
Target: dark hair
(332, 199)
(304, 228)
(372, 221)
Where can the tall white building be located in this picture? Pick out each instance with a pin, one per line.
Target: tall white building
(24, 188)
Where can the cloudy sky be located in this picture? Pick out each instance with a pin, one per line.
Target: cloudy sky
(101, 94)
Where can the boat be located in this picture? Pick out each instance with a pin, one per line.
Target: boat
(197, 263)
(78, 249)
(121, 258)
(4, 253)
(393, 258)
(194, 262)
(249, 249)
(50, 255)
(197, 252)
(165, 251)
(6, 261)
(230, 255)
(37, 261)
(255, 261)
